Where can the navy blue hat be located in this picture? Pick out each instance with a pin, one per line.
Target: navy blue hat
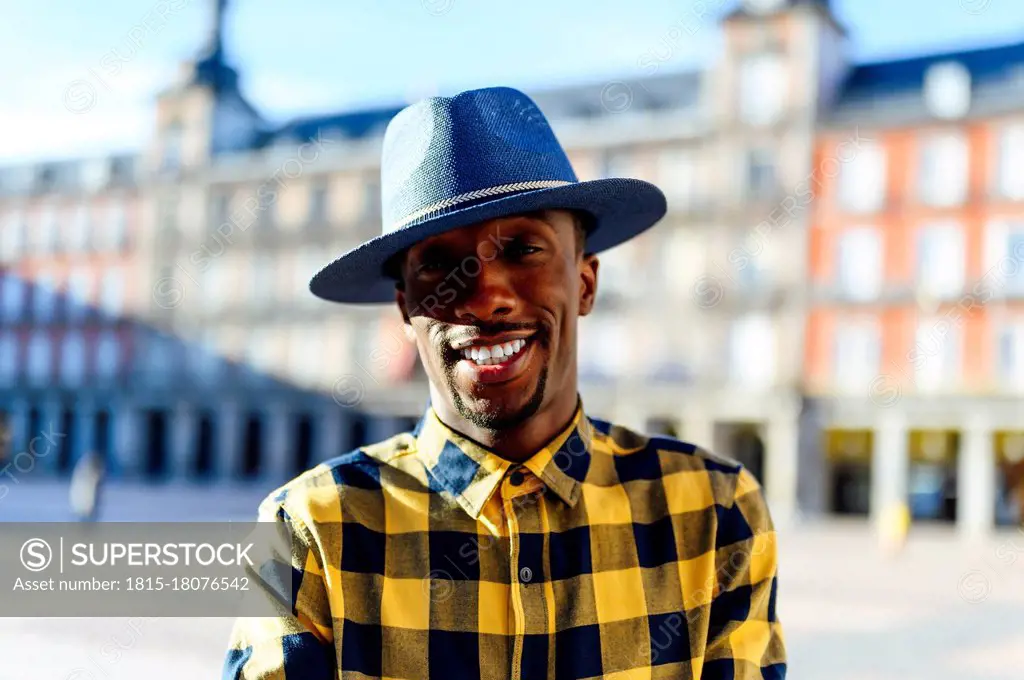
(450, 162)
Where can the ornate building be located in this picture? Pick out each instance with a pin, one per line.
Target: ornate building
(727, 324)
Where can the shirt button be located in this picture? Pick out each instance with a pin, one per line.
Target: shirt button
(516, 478)
(525, 574)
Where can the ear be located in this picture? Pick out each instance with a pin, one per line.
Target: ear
(588, 283)
(406, 323)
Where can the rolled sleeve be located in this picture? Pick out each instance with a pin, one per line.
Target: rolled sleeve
(298, 642)
(745, 637)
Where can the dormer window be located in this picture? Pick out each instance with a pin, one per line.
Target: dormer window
(762, 94)
(947, 90)
(173, 139)
(762, 6)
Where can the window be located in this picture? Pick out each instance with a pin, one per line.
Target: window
(39, 358)
(943, 170)
(116, 226)
(947, 90)
(862, 179)
(12, 240)
(159, 357)
(46, 231)
(859, 269)
(857, 355)
(72, 361)
(305, 265)
(216, 282)
(752, 350)
(677, 176)
(1009, 178)
(371, 199)
(936, 354)
(173, 141)
(8, 358)
(617, 163)
(318, 203)
(78, 229)
(684, 259)
(95, 175)
(220, 209)
(263, 280)
(205, 358)
(603, 342)
(306, 348)
(107, 354)
(44, 295)
(616, 276)
(261, 350)
(762, 89)
(79, 291)
(1014, 273)
(762, 182)
(940, 260)
(112, 293)
(1011, 355)
(1004, 258)
(14, 289)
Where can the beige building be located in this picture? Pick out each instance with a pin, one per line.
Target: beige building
(701, 324)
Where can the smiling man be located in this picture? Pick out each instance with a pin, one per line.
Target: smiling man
(511, 534)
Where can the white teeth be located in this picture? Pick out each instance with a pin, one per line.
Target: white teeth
(487, 356)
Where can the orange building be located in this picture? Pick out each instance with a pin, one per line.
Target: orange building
(915, 329)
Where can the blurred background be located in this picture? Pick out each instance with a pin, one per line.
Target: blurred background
(835, 298)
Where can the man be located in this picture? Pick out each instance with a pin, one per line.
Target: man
(510, 535)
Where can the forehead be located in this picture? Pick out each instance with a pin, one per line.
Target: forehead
(552, 222)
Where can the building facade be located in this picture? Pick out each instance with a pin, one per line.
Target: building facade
(817, 211)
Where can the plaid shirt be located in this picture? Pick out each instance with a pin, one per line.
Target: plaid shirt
(606, 554)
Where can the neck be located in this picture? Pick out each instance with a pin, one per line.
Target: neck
(518, 443)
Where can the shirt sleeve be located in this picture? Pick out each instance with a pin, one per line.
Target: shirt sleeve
(745, 638)
(298, 642)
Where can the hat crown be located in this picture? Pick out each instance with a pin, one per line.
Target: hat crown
(446, 152)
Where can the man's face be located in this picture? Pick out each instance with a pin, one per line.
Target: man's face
(493, 308)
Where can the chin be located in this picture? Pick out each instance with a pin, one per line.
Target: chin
(501, 411)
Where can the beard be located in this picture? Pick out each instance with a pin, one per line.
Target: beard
(496, 417)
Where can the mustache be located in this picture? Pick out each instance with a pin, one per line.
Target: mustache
(463, 334)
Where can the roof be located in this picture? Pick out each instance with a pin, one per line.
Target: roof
(892, 89)
(658, 92)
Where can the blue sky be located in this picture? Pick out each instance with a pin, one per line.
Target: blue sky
(311, 56)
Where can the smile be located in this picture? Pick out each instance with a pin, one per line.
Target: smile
(493, 355)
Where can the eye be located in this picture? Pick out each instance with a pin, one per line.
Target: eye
(521, 249)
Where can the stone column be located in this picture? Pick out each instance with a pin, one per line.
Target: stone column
(976, 477)
(17, 428)
(782, 454)
(699, 428)
(183, 442)
(84, 431)
(50, 436)
(332, 429)
(125, 452)
(890, 466)
(279, 452)
(228, 449)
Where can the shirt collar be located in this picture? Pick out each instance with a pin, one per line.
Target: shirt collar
(470, 472)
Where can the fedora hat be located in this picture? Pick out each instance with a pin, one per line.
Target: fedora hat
(449, 162)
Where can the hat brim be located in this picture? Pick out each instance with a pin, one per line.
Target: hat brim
(622, 208)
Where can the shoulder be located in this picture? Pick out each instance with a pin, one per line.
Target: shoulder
(707, 479)
(321, 494)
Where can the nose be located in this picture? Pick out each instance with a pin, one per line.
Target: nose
(489, 294)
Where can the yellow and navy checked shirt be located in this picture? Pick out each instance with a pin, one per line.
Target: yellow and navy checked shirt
(607, 554)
